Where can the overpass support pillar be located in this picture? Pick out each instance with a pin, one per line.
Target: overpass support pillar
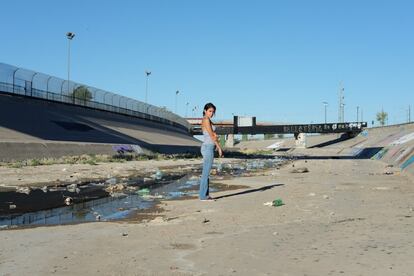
(300, 140)
(229, 141)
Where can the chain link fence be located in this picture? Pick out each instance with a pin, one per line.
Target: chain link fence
(29, 83)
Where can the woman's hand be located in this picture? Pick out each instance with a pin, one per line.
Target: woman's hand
(220, 152)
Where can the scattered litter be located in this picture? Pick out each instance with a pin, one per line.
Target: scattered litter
(115, 188)
(68, 200)
(277, 202)
(12, 206)
(269, 203)
(325, 196)
(311, 194)
(116, 195)
(64, 170)
(72, 188)
(124, 234)
(143, 192)
(98, 217)
(23, 190)
(388, 173)
(206, 220)
(148, 196)
(157, 175)
(300, 170)
(275, 233)
(44, 189)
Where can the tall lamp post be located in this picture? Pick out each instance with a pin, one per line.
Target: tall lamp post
(186, 109)
(325, 105)
(176, 98)
(147, 73)
(70, 36)
(357, 114)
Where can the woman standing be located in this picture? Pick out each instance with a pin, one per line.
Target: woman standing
(207, 149)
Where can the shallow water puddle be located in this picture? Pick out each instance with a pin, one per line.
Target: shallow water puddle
(113, 199)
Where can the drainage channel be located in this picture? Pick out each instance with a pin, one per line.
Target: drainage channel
(112, 200)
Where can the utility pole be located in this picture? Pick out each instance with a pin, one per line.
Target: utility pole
(409, 113)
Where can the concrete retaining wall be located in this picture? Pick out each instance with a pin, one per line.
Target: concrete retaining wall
(31, 128)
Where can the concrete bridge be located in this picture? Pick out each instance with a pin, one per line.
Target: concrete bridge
(248, 125)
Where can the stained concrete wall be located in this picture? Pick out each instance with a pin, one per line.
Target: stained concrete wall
(36, 128)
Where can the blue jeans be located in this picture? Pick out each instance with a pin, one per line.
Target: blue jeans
(207, 150)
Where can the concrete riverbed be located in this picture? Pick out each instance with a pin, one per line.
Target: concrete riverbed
(340, 217)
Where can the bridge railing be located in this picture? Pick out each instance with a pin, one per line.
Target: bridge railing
(19, 81)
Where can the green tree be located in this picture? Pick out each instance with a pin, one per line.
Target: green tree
(382, 117)
(81, 93)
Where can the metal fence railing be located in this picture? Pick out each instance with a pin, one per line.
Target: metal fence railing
(25, 82)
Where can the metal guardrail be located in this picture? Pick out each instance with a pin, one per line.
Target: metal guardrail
(19, 81)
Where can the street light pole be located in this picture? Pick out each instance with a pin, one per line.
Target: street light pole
(70, 36)
(357, 114)
(325, 104)
(176, 97)
(147, 73)
(186, 109)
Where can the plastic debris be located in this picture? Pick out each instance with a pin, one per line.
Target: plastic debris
(277, 202)
(72, 188)
(12, 206)
(115, 194)
(23, 190)
(148, 196)
(68, 200)
(158, 175)
(143, 192)
(269, 203)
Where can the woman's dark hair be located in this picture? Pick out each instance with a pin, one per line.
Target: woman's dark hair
(207, 106)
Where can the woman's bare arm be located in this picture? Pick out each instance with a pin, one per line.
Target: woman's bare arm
(207, 126)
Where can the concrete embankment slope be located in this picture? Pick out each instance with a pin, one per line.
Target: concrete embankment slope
(31, 128)
(393, 145)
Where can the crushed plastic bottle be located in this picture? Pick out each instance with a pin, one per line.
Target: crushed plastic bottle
(277, 202)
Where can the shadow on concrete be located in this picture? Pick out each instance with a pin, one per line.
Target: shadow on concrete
(264, 188)
(60, 122)
(366, 153)
(343, 137)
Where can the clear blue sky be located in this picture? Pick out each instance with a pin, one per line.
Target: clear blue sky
(277, 60)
